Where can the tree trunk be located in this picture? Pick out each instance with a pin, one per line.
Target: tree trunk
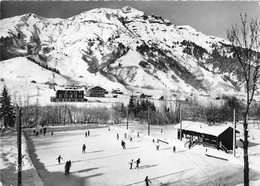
(246, 164)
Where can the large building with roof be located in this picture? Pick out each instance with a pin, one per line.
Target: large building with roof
(97, 91)
(220, 137)
(69, 95)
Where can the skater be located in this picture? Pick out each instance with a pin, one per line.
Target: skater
(174, 149)
(131, 163)
(125, 135)
(37, 133)
(117, 136)
(66, 168)
(84, 148)
(34, 131)
(138, 161)
(69, 166)
(59, 158)
(157, 146)
(40, 131)
(131, 139)
(161, 131)
(88, 132)
(146, 180)
(44, 130)
(123, 144)
(108, 128)
(138, 134)
(51, 132)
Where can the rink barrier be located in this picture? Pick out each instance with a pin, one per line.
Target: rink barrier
(217, 157)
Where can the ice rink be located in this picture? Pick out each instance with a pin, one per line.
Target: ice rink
(107, 163)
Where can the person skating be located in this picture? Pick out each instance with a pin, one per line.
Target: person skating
(117, 136)
(88, 132)
(44, 131)
(146, 180)
(37, 133)
(59, 158)
(123, 144)
(84, 148)
(66, 168)
(157, 146)
(138, 161)
(69, 166)
(131, 163)
(174, 149)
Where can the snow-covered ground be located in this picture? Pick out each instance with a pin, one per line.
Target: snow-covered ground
(106, 163)
(8, 163)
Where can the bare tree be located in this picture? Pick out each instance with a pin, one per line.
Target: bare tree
(246, 44)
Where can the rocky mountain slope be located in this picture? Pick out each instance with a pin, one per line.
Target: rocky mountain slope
(115, 48)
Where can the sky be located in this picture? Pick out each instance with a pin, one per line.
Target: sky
(210, 17)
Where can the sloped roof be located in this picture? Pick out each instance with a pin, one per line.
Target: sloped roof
(97, 87)
(203, 128)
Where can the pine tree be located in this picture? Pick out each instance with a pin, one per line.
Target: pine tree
(6, 109)
(123, 111)
(137, 108)
(131, 105)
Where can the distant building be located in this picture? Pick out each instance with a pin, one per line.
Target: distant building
(69, 96)
(143, 96)
(116, 92)
(97, 92)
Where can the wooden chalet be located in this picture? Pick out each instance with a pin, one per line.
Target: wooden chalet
(220, 137)
(69, 96)
(97, 92)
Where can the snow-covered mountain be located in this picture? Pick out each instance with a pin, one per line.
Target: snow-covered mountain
(114, 48)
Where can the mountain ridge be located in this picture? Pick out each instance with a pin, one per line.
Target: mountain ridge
(119, 48)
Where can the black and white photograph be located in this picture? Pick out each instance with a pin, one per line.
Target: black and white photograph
(129, 93)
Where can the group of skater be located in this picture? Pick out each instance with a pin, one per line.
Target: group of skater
(138, 161)
(157, 145)
(67, 165)
(84, 147)
(43, 131)
(123, 144)
(87, 133)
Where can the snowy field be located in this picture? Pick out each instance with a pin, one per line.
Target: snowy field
(106, 162)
